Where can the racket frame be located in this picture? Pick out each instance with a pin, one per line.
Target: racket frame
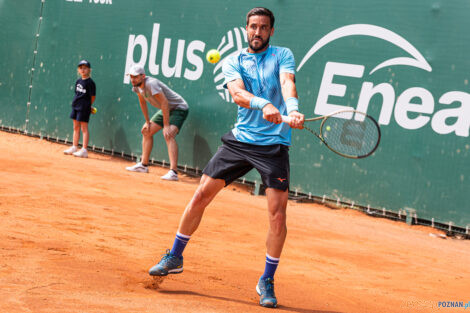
(325, 117)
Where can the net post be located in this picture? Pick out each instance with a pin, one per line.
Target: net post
(257, 188)
(409, 215)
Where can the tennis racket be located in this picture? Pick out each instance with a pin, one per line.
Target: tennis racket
(349, 133)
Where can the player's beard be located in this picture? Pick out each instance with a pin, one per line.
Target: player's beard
(262, 46)
(138, 84)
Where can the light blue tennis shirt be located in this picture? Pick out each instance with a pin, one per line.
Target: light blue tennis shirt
(260, 74)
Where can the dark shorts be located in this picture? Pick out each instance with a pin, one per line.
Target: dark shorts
(234, 159)
(81, 116)
(177, 118)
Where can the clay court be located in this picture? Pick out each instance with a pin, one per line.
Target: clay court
(79, 235)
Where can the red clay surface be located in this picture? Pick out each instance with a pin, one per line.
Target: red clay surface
(79, 235)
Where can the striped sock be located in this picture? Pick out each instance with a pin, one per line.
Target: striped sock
(179, 244)
(271, 266)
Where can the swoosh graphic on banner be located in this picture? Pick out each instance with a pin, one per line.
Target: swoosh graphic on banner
(417, 59)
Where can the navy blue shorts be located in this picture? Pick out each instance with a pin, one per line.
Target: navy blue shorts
(81, 116)
(234, 159)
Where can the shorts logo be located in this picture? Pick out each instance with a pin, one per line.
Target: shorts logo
(281, 179)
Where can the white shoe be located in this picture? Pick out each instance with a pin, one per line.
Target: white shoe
(82, 153)
(70, 150)
(171, 175)
(139, 167)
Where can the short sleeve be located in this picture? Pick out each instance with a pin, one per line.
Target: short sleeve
(92, 88)
(155, 88)
(287, 62)
(231, 70)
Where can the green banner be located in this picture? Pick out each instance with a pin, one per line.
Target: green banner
(405, 63)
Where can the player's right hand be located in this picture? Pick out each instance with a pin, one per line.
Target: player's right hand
(296, 120)
(271, 114)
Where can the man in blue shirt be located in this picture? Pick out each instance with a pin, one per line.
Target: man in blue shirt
(261, 80)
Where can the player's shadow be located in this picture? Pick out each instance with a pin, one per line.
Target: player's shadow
(279, 308)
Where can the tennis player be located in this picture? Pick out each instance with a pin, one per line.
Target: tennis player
(261, 80)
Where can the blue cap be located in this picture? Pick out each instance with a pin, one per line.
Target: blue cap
(84, 62)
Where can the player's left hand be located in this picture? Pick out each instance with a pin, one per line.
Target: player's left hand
(296, 120)
(168, 132)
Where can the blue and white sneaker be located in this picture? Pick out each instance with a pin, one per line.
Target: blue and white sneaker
(169, 264)
(265, 289)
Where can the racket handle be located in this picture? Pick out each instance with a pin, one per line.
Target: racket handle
(286, 119)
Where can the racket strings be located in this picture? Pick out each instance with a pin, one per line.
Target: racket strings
(351, 137)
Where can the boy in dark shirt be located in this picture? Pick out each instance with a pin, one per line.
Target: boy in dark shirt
(85, 94)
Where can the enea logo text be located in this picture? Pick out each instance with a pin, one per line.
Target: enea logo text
(414, 101)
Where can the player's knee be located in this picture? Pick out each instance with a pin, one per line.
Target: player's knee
(277, 221)
(145, 132)
(199, 196)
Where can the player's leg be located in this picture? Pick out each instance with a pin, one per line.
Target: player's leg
(172, 261)
(76, 135)
(274, 170)
(225, 166)
(86, 134)
(76, 132)
(172, 147)
(177, 118)
(147, 145)
(147, 141)
(204, 194)
(83, 117)
(277, 204)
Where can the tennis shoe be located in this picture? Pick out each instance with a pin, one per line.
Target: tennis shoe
(265, 289)
(169, 264)
(82, 153)
(171, 175)
(70, 150)
(139, 167)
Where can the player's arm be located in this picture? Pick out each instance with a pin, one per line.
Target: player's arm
(92, 88)
(289, 93)
(163, 102)
(247, 100)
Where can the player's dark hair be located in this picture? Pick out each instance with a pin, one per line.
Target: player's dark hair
(260, 11)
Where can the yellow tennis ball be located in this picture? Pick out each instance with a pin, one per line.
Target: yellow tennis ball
(213, 56)
(94, 110)
(328, 128)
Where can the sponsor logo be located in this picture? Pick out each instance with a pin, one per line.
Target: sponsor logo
(189, 56)
(412, 109)
(234, 41)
